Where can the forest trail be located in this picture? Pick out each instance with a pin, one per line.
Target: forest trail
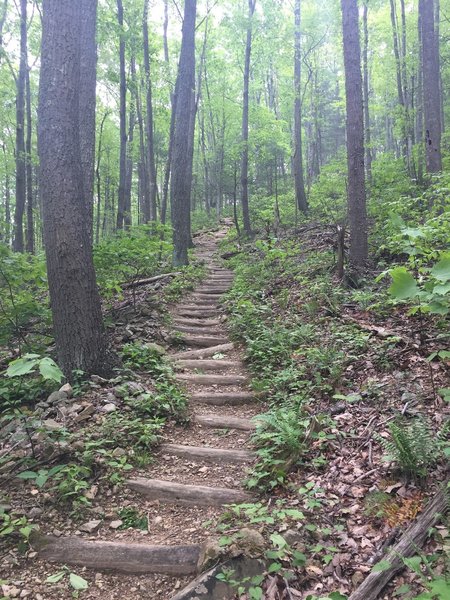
(198, 469)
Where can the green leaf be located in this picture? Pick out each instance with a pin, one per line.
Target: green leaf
(414, 564)
(441, 288)
(27, 475)
(403, 286)
(381, 566)
(50, 370)
(55, 577)
(77, 582)
(413, 232)
(274, 567)
(441, 270)
(278, 540)
(337, 596)
(20, 366)
(440, 587)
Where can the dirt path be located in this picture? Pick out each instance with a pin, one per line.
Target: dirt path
(197, 469)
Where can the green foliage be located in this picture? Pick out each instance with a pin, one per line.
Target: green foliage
(15, 528)
(412, 446)
(132, 518)
(76, 582)
(47, 368)
(187, 280)
(131, 255)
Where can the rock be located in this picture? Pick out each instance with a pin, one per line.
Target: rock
(57, 397)
(67, 389)
(209, 554)
(35, 512)
(85, 413)
(156, 348)
(92, 492)
(248, 542)
(98, 379)
(108, 408)
(157, 520)
(293, 537)
(10, 591)
(90, 526)
(25, 593)
(116, 524)
(119, 452)
(51, 425)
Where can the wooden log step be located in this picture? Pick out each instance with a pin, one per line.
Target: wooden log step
(203, 341)
(222, 399)
(192, 495)
(225, 422)
(213, 379)
(197, 306)
(204, 299)
(197, 314)
(196, 322)
(203, 352)
(120, 557)
(214, 455)
(212, 291)
(207, 331)
(209, 365)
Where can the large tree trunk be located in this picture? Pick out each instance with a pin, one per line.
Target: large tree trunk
(18, 243)
(244, 158)
(123, 123)
(77, 318)
(88, 80)
(182, 158)
(149, 121)
(366, 94)
(431, 101)
(355, 136)
(300, 193)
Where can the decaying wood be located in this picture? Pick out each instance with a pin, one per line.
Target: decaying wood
(116, 556)
(232, 398)
(208, 365)
(203, 341)
(194, 495)
(225, 422)
(212, 379)
(212, 455)
(408, 545)
(137, 283)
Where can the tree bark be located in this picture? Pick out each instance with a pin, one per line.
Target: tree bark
(431, 100)
(29, 170)
(127, 216)
(77, 319)
(182, 158)
(300, 192)
(18, 243)
(152, 183)
(98, 177)
(366, 94)
(245, 125)
(88, 80)
(123, 123)
(355, 136)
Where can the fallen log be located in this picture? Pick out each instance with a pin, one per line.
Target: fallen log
(407, 546)
(139, 282)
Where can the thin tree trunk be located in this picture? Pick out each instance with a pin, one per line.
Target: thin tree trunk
(30, 196)
(128, 217)
(98, 177)
(419, 112)
(165, 190)
(2, 23)
(18, 243)
(355, 136)
(149, 121)
(300, 192)
(182, 158)
(123, 123)
(245, 124)
(7, 236)
(431, 101)
(366, 95)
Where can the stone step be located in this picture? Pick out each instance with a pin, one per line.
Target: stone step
(213, 455)
(203, 352)
(192, 322)
(122, 557)
(203, 341)
(222, 399)
(212, 379)
(225, 422)
(209, 365)
(192, 495)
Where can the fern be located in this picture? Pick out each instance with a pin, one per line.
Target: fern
(412, 446)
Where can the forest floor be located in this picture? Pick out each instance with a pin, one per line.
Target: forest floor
(345, 505)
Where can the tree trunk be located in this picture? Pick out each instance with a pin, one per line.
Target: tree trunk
(77, 318)
(244, 158)
(355, 136)
(182, 158)
(366, 95)
(300, 192)
(2, 23)
(419, 111)
(18, 243)
(29, 170)
(98, 177)
(127, 217)
(431, 101)
(149, 122)
(88, 78)
(123, 123)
